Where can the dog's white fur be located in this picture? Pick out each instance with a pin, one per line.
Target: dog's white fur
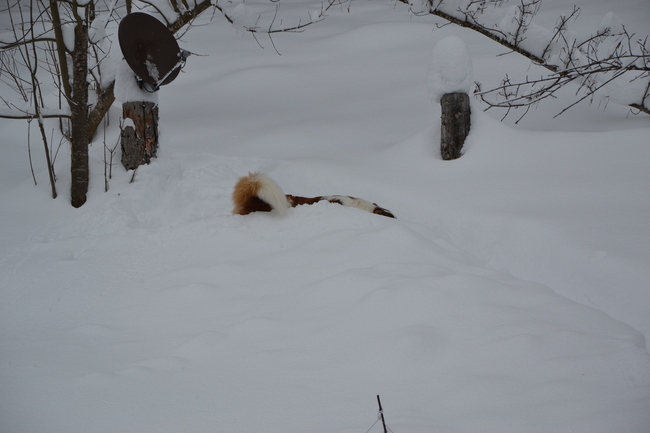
(358, 203)
(269, 191)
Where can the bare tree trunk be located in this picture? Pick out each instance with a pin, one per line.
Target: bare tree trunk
(60, 48)
(79, 110)
(455, 121)
(139, 142)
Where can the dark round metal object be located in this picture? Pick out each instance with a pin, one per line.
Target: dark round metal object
(150, 49)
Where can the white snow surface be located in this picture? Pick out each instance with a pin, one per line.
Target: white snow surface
(450, 68)
(126, 85)
(511, 293)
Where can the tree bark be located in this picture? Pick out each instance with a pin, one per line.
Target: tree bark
(79, 114)
(455, 124)
(139, 142)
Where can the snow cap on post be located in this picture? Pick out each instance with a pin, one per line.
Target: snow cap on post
(450, 68)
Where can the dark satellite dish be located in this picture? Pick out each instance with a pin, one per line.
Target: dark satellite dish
(150, 50)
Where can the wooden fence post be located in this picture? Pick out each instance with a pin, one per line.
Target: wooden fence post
(455, 124)
(139, 142)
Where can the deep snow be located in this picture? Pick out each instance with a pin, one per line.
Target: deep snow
(509, 295)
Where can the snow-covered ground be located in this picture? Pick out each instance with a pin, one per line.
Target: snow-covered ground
(511, 294)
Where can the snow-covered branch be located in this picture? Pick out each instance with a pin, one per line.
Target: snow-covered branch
(610, 64)
(246, 17)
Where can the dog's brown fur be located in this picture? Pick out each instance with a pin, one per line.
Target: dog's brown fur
(245, 197)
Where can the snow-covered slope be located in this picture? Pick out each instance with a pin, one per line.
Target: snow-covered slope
(509, 295)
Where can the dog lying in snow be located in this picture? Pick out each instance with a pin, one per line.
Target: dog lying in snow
(259, 193)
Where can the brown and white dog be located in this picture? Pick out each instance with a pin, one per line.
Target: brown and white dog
(259, 193)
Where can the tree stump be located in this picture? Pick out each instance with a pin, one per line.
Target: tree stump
(139, 142)
(455, 121)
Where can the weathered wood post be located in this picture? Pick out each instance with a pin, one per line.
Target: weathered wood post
(455, 123)
(451, 78)
(154, 59)
(139, 137)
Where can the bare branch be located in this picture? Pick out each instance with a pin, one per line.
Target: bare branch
(593, 63)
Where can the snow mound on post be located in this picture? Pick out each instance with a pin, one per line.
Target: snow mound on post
(450, 68)
(126, 86)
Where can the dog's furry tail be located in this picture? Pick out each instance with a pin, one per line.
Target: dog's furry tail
(258, 193)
